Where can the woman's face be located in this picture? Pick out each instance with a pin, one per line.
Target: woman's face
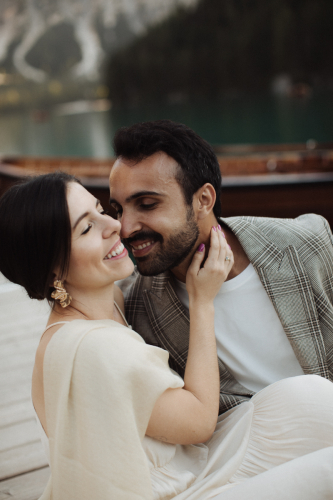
(98, 257)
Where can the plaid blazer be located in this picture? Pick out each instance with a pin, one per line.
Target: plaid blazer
(294, 261)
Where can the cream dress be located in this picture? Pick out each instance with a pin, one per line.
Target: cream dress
(101, 382)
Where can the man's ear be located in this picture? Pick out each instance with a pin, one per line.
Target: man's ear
(204, 201)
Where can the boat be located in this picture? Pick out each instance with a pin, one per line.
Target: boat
(284, 180)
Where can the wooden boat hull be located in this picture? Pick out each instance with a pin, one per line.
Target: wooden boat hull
(259, 181)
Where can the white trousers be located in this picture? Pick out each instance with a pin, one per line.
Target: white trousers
(290, 451)
(309, 477)
(276, 446)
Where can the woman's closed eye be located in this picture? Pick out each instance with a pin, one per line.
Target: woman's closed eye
(88, 229)
(102, 212)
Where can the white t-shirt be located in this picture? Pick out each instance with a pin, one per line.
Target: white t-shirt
(250, 339)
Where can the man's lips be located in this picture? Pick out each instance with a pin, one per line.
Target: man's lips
(140, 248)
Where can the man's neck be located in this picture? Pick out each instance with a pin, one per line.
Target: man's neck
(180, 271)
(241, 260)
(204, 237)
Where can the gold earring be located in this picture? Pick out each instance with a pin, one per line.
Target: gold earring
(60, 294)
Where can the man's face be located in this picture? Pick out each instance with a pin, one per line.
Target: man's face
(155, 220)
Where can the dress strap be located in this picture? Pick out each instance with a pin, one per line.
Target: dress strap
(63, 322)
(53, 324)
(121, 314)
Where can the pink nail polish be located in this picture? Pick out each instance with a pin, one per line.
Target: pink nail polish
(214, 228)
(201, 247)
(229, 247)
(219, 227)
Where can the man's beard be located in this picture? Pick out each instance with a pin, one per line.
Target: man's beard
(172, 252)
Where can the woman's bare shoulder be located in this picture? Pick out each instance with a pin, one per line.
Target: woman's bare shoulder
(43, 343)
(37, 389)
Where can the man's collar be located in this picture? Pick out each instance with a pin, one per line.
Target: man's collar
(259, 249)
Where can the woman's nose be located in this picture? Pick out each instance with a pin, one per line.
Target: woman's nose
(111, 226)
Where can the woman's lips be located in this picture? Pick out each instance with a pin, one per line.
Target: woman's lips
(116, 250)
(114, 247)
(121, 255)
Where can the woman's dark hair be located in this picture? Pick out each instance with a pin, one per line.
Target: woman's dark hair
(35, 233)
(195, 157)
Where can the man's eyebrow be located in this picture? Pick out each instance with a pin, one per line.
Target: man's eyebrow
(137, 195)
(84, 215)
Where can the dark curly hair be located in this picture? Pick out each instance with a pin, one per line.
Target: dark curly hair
(197, 161)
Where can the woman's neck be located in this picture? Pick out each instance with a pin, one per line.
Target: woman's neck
(92, 305)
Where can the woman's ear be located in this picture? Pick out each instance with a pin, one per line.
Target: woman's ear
(204, 201)
(54, 276)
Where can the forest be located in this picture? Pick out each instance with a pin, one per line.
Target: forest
(226, 45)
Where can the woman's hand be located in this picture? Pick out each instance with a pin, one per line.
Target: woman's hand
(204, 283)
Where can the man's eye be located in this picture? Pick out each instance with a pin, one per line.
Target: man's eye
(148, 206)
(104, 212)
(119, 212)
(88, 229)
(116, 211)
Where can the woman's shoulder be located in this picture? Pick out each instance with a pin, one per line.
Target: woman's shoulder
(96, 340)
(100, 335)
(50, 329)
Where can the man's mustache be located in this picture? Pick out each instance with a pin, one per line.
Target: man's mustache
(143, 235)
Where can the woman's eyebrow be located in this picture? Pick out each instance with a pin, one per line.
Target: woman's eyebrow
(84, 215)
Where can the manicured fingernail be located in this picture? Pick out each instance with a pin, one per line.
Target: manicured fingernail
(201, 247)
(214, 228)
(220, 229)
(229, 247)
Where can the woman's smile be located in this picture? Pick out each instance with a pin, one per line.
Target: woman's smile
(116, 252)
(117, 249)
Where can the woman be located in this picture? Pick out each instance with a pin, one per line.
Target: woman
(115, 416)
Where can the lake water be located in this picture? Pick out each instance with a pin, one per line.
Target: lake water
(238, 120)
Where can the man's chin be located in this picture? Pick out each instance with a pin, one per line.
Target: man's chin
(147, 270)
(150, 265)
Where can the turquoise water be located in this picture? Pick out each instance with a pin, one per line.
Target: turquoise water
(249, 119)
(238, 120)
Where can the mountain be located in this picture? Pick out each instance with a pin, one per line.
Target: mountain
(40, 39)
(223, 45)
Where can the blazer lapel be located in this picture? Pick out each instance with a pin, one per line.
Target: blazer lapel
(168, 318)
(288, 286)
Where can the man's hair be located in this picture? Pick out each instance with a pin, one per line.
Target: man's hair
(35, 233)
(197, 161)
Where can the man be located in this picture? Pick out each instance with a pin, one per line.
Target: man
(274, 314)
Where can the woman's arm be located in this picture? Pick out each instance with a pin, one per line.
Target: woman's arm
(189, 415)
